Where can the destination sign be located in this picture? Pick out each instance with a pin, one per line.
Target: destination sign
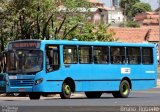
(24, 44)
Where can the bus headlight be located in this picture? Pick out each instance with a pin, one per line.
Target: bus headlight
(38, 81)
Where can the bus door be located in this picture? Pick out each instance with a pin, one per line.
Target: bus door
(52, 58)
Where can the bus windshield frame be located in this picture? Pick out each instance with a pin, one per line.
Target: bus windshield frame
(24, 61)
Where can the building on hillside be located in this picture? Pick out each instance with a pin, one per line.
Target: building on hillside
(105, 14)
(115, 17)
(99, 13)
(147, 18)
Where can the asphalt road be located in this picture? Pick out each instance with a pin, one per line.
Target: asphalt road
(79, 103)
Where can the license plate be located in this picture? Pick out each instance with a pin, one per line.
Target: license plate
(21, 90)
(12, 77)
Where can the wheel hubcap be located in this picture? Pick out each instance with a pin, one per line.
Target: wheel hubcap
(67, 89)
(125, 89)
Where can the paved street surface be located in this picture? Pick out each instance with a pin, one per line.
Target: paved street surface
(79, 103)
(149, 97)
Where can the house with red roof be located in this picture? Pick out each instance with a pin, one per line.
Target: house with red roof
(136, 35)
(147, 18)
(148, 31)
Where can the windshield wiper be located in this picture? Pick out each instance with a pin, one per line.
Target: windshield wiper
(17, 57)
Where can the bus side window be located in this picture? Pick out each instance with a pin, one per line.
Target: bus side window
(52, 58)
(147, 55)
(117, 55)
(70, 55)
(85, 54)
(133, 55)
(101, 55)
(95, 59)
(48, 61)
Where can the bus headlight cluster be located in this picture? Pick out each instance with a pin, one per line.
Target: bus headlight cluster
(38, 81)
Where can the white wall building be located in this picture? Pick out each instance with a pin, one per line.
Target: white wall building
(115, 17)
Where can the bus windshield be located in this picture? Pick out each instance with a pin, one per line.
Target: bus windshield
(24, 61)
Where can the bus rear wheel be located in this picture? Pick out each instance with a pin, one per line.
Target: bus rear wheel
(66, 91)
(124, 90)
(34, 96)
(93, 94)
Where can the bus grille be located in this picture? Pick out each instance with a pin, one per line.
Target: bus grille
(22, 82)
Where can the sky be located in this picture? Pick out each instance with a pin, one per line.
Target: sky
(153, 3)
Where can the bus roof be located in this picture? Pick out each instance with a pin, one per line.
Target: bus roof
(76, 42)
(68, 42)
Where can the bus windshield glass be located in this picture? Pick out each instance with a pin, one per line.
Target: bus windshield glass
(24, 61)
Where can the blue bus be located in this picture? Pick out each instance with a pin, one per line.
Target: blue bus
(63, 67)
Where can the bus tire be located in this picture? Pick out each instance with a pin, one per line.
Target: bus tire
(34, 96)
(93, 94)
(124, 90)
(66, 91)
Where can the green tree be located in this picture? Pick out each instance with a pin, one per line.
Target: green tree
(47, 19)
(73, 15)
(91, 32)
(131, 7)
(140, 7)
(126, 6)
(4, 29)
(31, 19)
(44, 18)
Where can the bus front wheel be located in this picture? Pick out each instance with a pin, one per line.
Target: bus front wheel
(66, 91)
(93, 94)
(34, 96)
(124, 90)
